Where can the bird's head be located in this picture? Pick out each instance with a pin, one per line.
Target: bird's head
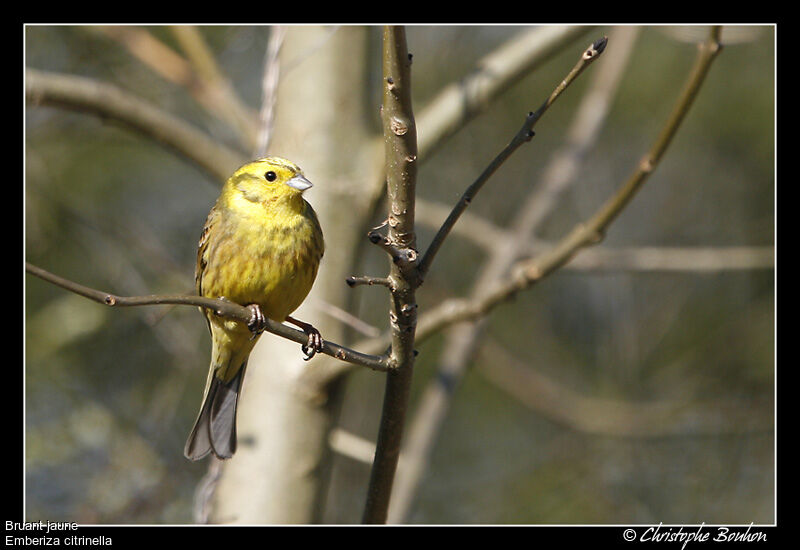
(268, 179)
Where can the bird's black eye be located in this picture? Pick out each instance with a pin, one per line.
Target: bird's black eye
(270, 175)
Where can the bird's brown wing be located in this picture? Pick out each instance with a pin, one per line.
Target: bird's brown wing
(202, 255)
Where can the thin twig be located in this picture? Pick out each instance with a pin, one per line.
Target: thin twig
(397, 252)
(561, 170)
(522, 136)
(228, 310)
(369, 281)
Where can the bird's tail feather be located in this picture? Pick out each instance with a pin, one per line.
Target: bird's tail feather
(215, 427)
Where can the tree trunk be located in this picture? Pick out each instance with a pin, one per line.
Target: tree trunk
(280, 471)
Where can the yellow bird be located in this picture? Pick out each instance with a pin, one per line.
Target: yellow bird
(260, 247)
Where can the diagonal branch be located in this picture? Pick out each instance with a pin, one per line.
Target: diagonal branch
(461, 101)
(110, 102)
(228, 310)
(487, 235)
(522, 136)
(216, 91)
(199, 75)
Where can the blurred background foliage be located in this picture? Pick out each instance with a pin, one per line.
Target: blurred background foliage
(110, 394)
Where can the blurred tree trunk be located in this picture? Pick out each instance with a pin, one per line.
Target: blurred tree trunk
(280, 471)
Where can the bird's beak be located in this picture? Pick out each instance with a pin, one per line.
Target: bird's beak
(299, 182)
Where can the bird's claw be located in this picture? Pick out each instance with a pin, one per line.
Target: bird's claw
(314, 344)
(257, 322)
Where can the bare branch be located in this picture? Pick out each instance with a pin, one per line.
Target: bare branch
(459, 102)
(215, 90)
(401, 169)
(487, 235)
(366, 280)
(698, 259)
(561, 170)
(707, 52)
(347, 318)
(455, 307)
(463, 340)
(399, 253)
(228, 310)
(199, 75)
(109, 102)
(527, 273)
(522, 136)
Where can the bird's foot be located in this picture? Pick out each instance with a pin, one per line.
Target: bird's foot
(315, 342)
(258, 322)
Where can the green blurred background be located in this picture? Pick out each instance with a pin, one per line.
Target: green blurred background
(110, 394)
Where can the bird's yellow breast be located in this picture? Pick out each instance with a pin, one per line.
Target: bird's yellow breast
(263, 253)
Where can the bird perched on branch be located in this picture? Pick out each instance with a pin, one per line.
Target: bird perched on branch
(261, 247)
